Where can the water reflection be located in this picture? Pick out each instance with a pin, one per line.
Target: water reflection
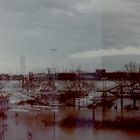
(3, 128)
(70, 124)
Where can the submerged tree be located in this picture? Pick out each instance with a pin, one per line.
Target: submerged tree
(76, 87)
(132, 79)
(131, 67)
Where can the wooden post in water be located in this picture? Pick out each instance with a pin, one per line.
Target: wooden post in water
(93, 113)
(104, 94)
(134, 100)
(121, 92)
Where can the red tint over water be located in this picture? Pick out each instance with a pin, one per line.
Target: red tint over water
(42, 127)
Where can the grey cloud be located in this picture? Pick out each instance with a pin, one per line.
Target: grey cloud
(36, 26)
(121, 25)
(34, 5)
(120, 28)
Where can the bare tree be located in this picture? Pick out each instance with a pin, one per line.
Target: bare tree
(76, 88)
(131, 67)
(132, 79)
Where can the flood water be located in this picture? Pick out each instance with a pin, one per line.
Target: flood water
(45, 124)
(32, 121)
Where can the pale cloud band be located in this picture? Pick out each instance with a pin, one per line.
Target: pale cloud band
(107, 52)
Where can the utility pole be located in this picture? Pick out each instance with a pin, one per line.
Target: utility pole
(121, 92)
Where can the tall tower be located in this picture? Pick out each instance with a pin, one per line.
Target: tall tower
(22, 65)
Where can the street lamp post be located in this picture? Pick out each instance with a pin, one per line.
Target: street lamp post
(55, 109)
(54, 72)
(53, 58)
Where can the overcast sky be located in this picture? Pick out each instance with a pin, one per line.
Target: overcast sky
(90, 33)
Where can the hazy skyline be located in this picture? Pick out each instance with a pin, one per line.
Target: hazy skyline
(74, 27)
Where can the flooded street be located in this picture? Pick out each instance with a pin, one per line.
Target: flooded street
(18, 126)
(66, 123)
